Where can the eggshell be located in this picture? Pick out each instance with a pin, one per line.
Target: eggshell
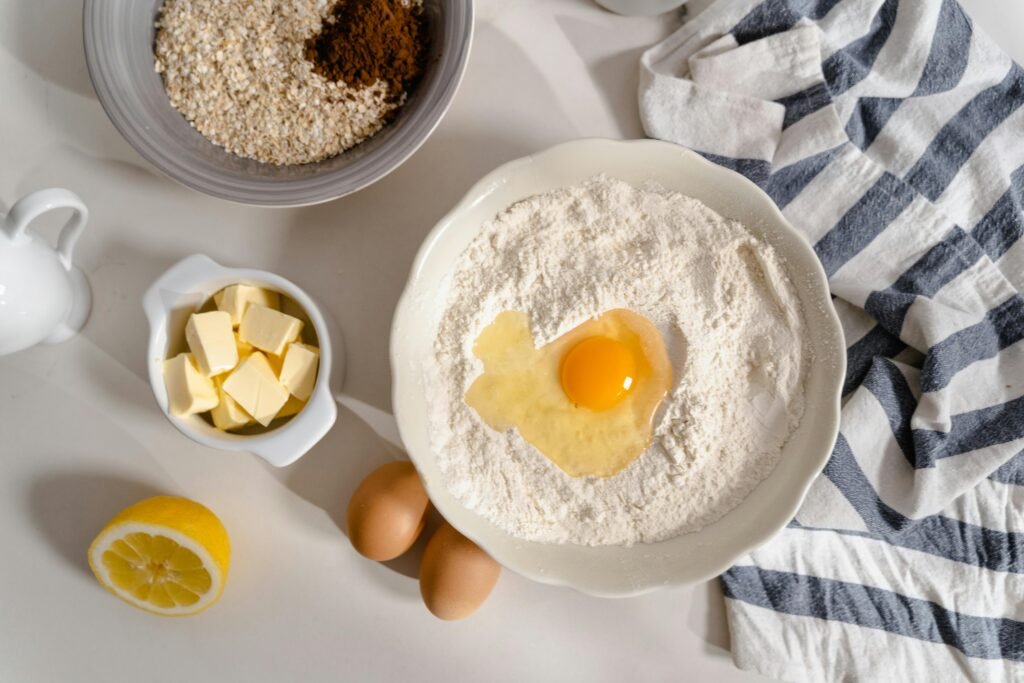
(456, 576)
(387, 511)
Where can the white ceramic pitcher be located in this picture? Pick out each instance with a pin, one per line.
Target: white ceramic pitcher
(43, 297)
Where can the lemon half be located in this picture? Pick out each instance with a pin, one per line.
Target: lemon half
(166, 555)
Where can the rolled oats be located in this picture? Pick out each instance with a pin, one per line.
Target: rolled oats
(236, 70)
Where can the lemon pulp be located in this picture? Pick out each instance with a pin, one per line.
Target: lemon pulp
(156, 570)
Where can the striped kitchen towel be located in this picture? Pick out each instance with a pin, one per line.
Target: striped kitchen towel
(891, 134)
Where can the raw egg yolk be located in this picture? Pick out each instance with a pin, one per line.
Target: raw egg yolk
(598, 372)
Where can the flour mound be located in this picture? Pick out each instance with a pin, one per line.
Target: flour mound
(732, 324)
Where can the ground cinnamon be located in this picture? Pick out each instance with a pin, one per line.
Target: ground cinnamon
(364, 41)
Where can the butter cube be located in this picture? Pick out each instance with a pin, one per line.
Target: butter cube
(256, 389)
(298, 373)
(236, 298)
(268, 330)
(188, 391)
(212, 342)
(292, 407)
(227, 414)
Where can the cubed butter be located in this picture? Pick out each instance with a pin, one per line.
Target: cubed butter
(188, 390)
(268, 330)
(298, 373)
(212, 341)
(292, 407)
(235, 299)
(227, 414)
(256, 389)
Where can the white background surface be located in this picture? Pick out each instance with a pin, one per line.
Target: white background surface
(80, 435)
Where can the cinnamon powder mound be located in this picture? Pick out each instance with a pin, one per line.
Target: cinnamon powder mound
(366, 41)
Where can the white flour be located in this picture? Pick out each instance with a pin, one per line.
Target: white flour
(731, 322)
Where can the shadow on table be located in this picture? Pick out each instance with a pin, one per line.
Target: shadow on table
(328, 475)
(615, 76)
(46, 36)
(711, 623)
(69, 509)
(117, 323)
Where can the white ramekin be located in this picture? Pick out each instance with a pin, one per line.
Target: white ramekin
(184, 288)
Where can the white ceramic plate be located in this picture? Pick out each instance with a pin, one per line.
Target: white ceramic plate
(618, 570)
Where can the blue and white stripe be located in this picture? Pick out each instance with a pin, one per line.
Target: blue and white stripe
(891, 134)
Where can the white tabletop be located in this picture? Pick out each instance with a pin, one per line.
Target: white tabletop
(80, 435)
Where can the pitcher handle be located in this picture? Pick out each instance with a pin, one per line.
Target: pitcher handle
(30, 207)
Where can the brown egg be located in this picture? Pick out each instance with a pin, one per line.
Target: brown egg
(456, 576)
(386, 513)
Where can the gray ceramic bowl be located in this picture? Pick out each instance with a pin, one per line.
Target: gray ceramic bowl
(119, 37)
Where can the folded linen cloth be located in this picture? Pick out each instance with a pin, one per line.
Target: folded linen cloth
(891, 133)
